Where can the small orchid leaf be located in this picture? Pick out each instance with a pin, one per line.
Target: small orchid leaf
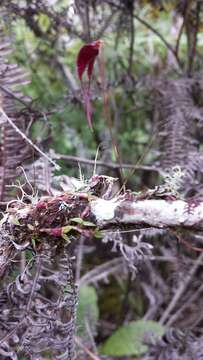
(88, 223)
(65, 237)
(14, 220)
(82, 222)
(33, 242)
(66, 229)
(97, 234)
(77, 220)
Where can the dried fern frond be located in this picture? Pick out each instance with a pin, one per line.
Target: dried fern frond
(13, 150)
(178, 116)
(176, 345)
(38, 309)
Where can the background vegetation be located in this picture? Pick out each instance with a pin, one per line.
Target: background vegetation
(147, 123)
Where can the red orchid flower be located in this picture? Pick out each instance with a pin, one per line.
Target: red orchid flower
(86, 58)
(85, 61)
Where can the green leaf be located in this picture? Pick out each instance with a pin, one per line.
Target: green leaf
(65, 230)
(65, 237)
(14, 220)
(44, 22)
(34, 240)
(88, 223)
(128, 339)
(87, 308)
(77, 220)
(82, 222)
(98, 233)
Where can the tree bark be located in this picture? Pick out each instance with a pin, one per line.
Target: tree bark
(152, 212)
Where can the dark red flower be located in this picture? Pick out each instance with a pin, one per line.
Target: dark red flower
(85, 61)
(86, 58)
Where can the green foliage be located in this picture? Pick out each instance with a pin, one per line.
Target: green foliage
(70, 134)
(87, 308)
(129, 339)
(44, 22)
(82, 222)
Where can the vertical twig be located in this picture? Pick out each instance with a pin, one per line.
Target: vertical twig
(185, 16)
(90, 335)
(181, 289)
(85, 349)
(132, 40)
(192, 39)
(105, 25)
(87, 21)
(107, 114)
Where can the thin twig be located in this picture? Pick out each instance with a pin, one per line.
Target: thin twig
(90, 335)
(87, 21)
(192, 49)
(105, 26)
(151, 28)
(186, 12)
(191, 300)
(101, 272)
(157, 33)
(182, 287)
(86, 350)
(11, 94)
(34, 284)
(107, 114)
(132, 40)
(139, 161)
(57, 167)
(110, 165)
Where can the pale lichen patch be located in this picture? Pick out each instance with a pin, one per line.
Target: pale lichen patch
(104, 210)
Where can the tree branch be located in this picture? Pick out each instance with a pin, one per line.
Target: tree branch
(153, 212)
(95, 205)
(110, 165)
